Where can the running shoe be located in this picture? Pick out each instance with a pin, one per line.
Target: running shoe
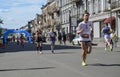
(83, 63)
(41, 52)
(105, 49)
(52, 51)
(111, 48)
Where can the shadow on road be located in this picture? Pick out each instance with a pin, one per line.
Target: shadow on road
(13, 47)
(99, 64)
(64, 52)
(4, 70)
(116, 51)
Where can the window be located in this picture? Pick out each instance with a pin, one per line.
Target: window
(88, 8)
(52, 15)
(99, 6)
(107, 5)
(94, 5)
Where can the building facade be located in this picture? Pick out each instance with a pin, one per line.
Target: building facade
(65, 15)
(50, 15)
(70, 14)
(100, 10)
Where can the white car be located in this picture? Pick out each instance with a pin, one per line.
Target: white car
(76, 40)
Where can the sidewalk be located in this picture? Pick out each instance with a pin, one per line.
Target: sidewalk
(100, 42)
(97, 42)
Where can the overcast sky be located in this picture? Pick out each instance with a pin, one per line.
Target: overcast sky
(17, 13)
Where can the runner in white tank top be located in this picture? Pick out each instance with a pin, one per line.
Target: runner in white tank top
(84, 29)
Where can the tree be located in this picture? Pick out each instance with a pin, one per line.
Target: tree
(1, 21)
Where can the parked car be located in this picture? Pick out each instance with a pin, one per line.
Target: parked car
(76, 40)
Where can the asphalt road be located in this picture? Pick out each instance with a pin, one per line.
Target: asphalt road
(16, 61)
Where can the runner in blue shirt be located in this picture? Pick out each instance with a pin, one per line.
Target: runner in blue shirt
(52, 35)
(106, 32)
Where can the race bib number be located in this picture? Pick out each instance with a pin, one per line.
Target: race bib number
(85, 35)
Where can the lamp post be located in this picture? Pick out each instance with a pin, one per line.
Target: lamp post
(70, 34)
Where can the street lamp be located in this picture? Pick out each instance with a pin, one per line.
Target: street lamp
(70, 34)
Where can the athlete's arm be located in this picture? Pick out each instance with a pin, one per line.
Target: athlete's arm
(102, 30)
(79, 29)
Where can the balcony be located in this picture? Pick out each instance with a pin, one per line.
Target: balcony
(115, 4)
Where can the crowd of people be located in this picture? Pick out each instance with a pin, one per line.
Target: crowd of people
(52, 38)
(19, 39)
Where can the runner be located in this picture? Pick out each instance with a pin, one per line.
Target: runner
(114, 38)
(84, 30)
(22, 39)
(60, 38)
(17, 40)
(39, 41)
(106, 32)
(52, 35)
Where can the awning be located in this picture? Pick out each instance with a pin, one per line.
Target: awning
(110, 19)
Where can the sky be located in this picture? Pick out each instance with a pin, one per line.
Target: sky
(17, 13)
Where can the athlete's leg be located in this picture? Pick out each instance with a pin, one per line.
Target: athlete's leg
(41, 46)
(89, 45)
(84, 54)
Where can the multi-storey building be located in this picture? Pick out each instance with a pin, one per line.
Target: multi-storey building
(49, 12)
(100, 10)
(38, 22)
(115, 9)
(70, 13)
(35, 23)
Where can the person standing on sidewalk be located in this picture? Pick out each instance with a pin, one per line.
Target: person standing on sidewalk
(84, 30)
(60, 38)
(52, 36)
(64, 38)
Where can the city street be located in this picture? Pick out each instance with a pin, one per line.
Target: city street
(16, 61)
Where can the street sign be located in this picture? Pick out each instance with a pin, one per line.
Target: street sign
(73, 21)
